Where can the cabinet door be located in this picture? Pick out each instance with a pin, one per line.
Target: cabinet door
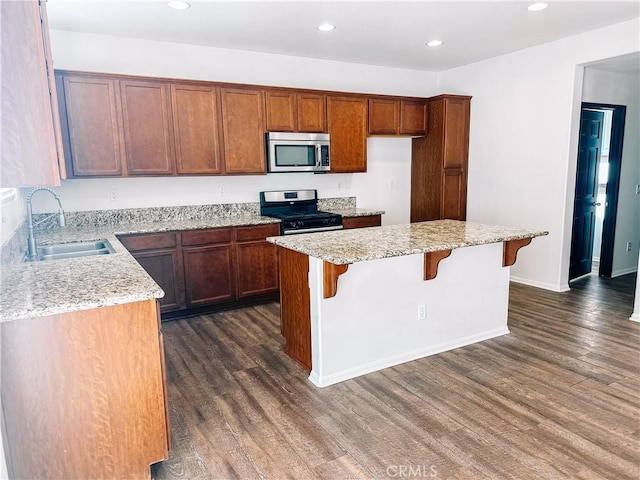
(454, 194)
(209, 274)
(361, 222)
(456, 127)
(195, 127)
(347, 119)
(384, 116)
(312, 112)
(148, 141)
(280, 107)
(29, 151)
(165, 267)
(91, 118)
(243, 131)
(413, 117)
(257, 260)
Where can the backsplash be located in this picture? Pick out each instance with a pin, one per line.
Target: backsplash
(15, 247)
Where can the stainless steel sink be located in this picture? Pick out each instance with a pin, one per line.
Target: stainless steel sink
(73, 250)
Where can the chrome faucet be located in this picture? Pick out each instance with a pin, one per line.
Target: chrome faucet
(32, 249)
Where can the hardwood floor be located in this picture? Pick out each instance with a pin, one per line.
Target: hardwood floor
(557, 398)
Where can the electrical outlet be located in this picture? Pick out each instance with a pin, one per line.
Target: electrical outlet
(113, 195)
(422, 312)
(392, 185)
(223, 191)
(628, 246)
(637, 189)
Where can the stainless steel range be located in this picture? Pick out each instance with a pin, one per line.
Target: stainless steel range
(298, 211)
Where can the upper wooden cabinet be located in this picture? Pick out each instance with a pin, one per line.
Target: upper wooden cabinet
(413, 117)
(243, 130)
(196, 129)
(147, 127)
(439, 161)
(347, 120)
(30, 131)
(90, 113)
(397, 117)
(295, 112)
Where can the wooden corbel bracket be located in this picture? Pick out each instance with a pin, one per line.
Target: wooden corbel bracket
(331, 274)
(431, 261)
(510, 250)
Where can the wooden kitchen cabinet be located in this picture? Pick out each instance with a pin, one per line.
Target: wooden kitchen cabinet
(147, 127)
(257, 260)
(439, 161)
(209, 266)
(413, 117)
(196, 129)
(83, 393)
(90, 111)
(289, 111)
(397, 117)
(384, 116)
(243, 130)
(161, 257)
(347, 122)
(31, 149)
(361, 222)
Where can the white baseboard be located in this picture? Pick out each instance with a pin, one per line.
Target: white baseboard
(338, 377)
(544, 285)
(635, 317)
(624, 271)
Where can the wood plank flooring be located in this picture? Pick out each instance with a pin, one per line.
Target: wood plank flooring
(557, 398)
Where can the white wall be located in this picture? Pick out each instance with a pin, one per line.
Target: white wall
(622, 89)
(523, 141)
(389, 159)
(636, 304)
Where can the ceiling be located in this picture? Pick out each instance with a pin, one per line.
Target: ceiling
(387, 33)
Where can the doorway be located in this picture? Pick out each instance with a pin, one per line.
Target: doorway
(597, 187)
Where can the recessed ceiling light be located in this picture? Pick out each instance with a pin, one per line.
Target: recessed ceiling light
(536, 7)
(434, 43)
(326, 27)
(179, 5)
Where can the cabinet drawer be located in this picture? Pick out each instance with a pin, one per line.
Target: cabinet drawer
(136, 243)
(259, 232)
(361, 222)
(205, 237)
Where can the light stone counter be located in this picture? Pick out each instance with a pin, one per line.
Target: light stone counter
(363, 244)
(355, 212)
(37, 289)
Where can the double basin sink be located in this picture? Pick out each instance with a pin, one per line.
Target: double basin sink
(72, 250)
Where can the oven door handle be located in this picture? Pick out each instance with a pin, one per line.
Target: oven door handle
(312, 230)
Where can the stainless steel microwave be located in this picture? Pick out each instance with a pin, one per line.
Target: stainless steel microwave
(298, 152)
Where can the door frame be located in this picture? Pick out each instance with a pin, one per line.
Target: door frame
(613, 182)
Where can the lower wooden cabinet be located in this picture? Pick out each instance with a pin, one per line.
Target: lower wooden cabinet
(361, 222)
(83, 393)
(257, 261)
(198, 268)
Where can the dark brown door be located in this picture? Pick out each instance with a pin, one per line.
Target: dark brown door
(243, 130)
(413, 117)
(280, 108)
(209, 274)
(347, 119)
(384, 117)
(585, 200)
(257, 268)
(93, 126)
(165, 267)
(312, 112)
(148, 141)
(195, 126)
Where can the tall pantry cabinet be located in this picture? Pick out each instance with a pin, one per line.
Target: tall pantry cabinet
(439, 161)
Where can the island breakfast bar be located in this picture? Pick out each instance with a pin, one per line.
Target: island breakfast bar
(357, 301)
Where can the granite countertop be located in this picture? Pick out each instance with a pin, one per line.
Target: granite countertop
(359, 245)
(34, 289)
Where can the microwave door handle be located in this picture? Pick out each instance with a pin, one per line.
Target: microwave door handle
(318, 155)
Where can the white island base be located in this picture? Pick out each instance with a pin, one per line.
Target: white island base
(374, 321)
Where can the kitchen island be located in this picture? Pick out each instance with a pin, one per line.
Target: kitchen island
(357, 301)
